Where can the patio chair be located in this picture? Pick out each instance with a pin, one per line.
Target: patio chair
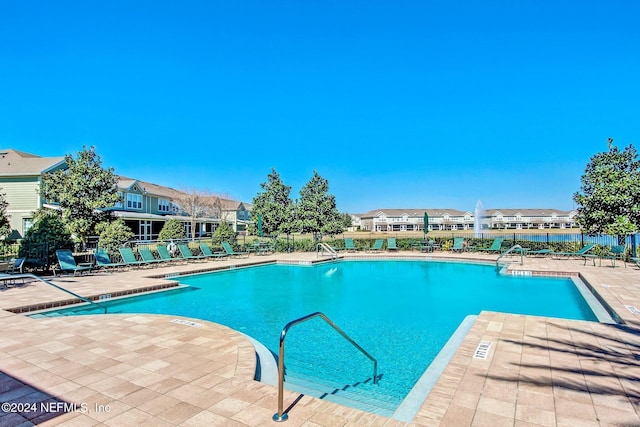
(207, 252)
(147, 256)
(129, 257)
(166, 256)
(377, 245)
(104, 261)
(496, 246)
(391, 244)
(187, 254)
(11, 274)
(67, 263)
(348, 245)
(616, 252)
(229, 250)
(17, 266)
(458, 244)
(582, 253)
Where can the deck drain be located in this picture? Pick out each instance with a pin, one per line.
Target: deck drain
(483, 350)
(186, 323)
(632, 309)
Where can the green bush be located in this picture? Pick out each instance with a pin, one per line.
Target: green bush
(224, 233)
(47, 234)
(113, 235)
(172, 230)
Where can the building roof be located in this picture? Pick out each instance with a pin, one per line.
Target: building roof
(527, 212)
(19, 163)
(413, 212)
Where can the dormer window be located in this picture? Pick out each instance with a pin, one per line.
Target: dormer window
(164, 205)
(134, 201)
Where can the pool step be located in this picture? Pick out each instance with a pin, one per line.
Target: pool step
(363, 396)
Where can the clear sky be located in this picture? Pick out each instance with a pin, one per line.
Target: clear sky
(399, 104)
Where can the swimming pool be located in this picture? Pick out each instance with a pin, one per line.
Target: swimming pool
(401, 312)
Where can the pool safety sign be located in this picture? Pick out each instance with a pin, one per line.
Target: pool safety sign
(483, 350)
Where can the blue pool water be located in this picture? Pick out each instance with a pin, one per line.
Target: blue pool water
(401, 312)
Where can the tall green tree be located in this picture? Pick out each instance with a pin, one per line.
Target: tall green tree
(609, 198)
(5, 228)
(172, 229)
(275, 205)
(83, 192)
(316, 209)
(113, 234)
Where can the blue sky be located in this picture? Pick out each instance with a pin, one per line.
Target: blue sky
(398, 104)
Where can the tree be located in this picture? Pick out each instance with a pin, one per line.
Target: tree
(195, 204)
(224, 233)
(5, 227)
(346, 220)
(113, 234)
(83, 192)
(172, 229)
(47, 234)
(275, 205)
(316, 209)
(609, 198)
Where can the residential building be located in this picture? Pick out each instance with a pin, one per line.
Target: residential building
(20, 177)
(393, 220)
(144, 206)
(519, 219)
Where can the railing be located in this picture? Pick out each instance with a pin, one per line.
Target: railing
(327, 248)
(281, 415)
(511, 249)
(33, 276)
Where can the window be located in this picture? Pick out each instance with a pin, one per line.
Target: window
(119, 203)
(163, 205)
(134, 201)
(26, 224)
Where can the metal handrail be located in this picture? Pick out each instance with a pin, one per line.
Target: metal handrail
(510, 250)
(280, 415)
(80, 297)
(327, 248)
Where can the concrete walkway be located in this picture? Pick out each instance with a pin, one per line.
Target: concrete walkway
(123, 369)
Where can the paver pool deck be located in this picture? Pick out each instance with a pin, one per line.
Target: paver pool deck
(134, 369)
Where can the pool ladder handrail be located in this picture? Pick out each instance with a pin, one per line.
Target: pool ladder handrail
(512, 248)
(327, 248)
(80, 297)
(281, 415)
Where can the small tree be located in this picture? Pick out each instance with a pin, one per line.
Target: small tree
(47, 234)
(609, 198)
(346, 220)
(224, 233)
(275, 206)
(83, 191)
(316, 209)
(5, 227)
(172, 230)
(113, 235)
(195, 204)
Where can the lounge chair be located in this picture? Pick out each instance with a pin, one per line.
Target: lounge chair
(147, 256)
(391, 244)
(129, 258)
(67, 263)
(582, 253)
(458, 244)
(187, 254)
(15, 268)
(348, 245)
(377, 245)
(229, 250)
(104, 261)
(206, 251)
(166, 256)
(496, 246)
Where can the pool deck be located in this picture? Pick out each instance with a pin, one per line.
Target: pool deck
(125, 369)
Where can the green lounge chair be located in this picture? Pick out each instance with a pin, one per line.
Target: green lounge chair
(229, 250)
(147, 256)
(582, 253)
(104, 261)
(129, 258)
(187, 254)
(206, 251)
(68, 264)
(377, 245)
(458, 244)
(391, 244)
(166, 256)
(496, 246)
(348, 245)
